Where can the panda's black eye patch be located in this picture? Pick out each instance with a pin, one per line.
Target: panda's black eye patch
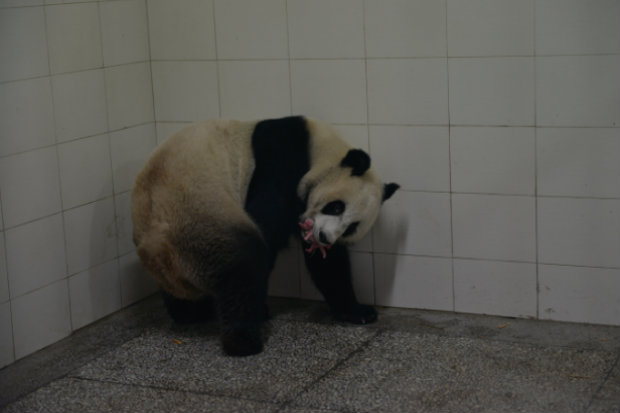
(333, 208)
(351, 229)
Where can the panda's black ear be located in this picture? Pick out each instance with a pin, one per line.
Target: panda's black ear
(388, 190)
(358, 160)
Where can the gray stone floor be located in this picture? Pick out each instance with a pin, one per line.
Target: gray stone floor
(137, 360)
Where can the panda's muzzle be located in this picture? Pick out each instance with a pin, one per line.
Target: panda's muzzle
(323, 238)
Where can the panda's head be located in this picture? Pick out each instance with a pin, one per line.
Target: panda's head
(343, 200)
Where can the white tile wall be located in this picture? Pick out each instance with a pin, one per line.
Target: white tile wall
(124, 32)
(85, 170)
(492, 91)
(249, 29)
(490, 28)
(23, 49)
(73, 37)
(578, 91)
(7, 354)
(26, 115)
(185, 91)
(326, 29)
(418, 282)
(494, 227)
(408, 91)
(415, 223)
(94, 293)
(577, 294)
(130, 148)
(417, 158)
(499, 118)
(43, 239)
(29, 185)
(136, 284)
(492, 287)
(579, 231)
(40, 318)
(129, 92)
(4, 280)
(90, 232)
(182, 29)
(334, 90)
(79, 104)
(582, 162)
(401, 28)
(493, 160)
(254, 89)
(569, 27)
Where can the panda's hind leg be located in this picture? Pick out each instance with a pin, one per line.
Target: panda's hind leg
(189, 311)
(240, 297)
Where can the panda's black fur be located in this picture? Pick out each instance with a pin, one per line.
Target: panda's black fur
(229, 266)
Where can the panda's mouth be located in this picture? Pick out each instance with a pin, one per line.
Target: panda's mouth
(308, 234)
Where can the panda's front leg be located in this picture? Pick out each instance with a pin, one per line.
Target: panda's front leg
(332, 276)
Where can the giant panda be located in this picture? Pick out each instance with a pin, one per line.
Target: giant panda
(216, 201)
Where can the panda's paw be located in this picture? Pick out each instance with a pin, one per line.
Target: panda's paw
(359, 314)
(242, 342)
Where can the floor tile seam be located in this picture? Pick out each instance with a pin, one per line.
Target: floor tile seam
(363, 346)
(600, 387)
(171, 389)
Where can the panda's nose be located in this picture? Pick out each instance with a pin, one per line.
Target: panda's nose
(323, 238)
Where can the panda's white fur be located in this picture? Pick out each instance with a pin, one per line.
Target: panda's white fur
(195, 223)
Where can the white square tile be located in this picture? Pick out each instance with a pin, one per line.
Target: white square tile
(26, 115)
(29, 186)
(124, 32)
(124, 225)
(248, 29)
(579, 232)
(254, 89)
(73, 37)
(417, 158)
(7, 354)
(185, 91)
(490, 28)
(414, 223)
(578, 162)
(414, 282)
(578, 91)
(20, 3)
(91, 235)
(578, 294)
(130, 148)
(85, 170)
(284, 279)
(402, 28)
(167, 129)
(362, 274)
(494, 227)
(35, 255)
(94, 294)
(41, 318)
(354, 135)
(4, 278)
(326, 29)
(136, 283)
(408, 91)
(492, 91)
(23, 49)
(331, 90)
(577, 27)
(364, 244)
(79, 104)
(181, 29)
(493, 160)
(499, 288)
(130, 95)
